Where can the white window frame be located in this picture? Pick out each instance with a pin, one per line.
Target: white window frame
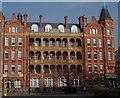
(19, 54)
(6, 68)
(6, 55)
(89, 68)
(95, 55)
(20, 41)
(89, 53)
(61, 28)
(13, 41)
(17, 84)
(13, 29)
(95, 68)
(101, 68)
(109, 43)
(109, 55)
(34, 28)
(94, 42)
(49, 82)
(100, 42)
(62, 82)
(13, 67)
(74, 29)
(48, 28)
(101, 55)
(108, 31)
(74, 82)
(6, 41)
(13, 54)
(19, 68)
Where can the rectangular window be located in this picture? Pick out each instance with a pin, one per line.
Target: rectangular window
(13, 29)
(76, 82)
(19, 41)
(13, 55)
(109, 43)
(95, 55)
(95, 68)
(6, 68)
(101, 55)
(10, 29)
(94, 42)
(6, 54)
(17, 84)
(89, 55)
(13, 68)
(101, 68)
(89, 68)
(108, 32)
(96, 31)
(88, 42)
(35, 83)
(16, 29)
(90, 31)
(61, 82)
(6, 41)
(49, 82)
(20, 68)
(13, 41)
(100, 42)
(109, 56)
(19, 54)
(93, 31)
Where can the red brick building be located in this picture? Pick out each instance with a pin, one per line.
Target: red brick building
(37, 54)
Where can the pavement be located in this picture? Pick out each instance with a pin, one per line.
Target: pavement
(53, 95)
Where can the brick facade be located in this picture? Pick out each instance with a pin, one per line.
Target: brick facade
(50, 53)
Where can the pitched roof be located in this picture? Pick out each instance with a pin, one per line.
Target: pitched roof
(104, 14)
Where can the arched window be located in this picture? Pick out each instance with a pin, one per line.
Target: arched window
(34, 28)
(48, 28)
(61, 28)
(74, 28)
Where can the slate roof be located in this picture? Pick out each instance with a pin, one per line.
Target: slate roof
(105, 14)
(54, 25)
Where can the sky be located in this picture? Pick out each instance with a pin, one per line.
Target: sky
(55, 11)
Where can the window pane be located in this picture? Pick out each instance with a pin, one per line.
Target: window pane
(19, 54)
(6, 41)
(6, 54)
(13, 41)
(20, 41)
(13, 55)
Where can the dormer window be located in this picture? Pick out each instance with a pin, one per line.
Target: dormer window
(48, 28)
(13, 29)
(74, 29)
(34, 28)
(61, 28)
(93, 31)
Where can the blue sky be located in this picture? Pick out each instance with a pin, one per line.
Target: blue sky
(55, 11)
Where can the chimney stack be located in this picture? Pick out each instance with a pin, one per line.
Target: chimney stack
(40, 21)
(20, 17)
(25, 18)
(81, 21)
(66, 21)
